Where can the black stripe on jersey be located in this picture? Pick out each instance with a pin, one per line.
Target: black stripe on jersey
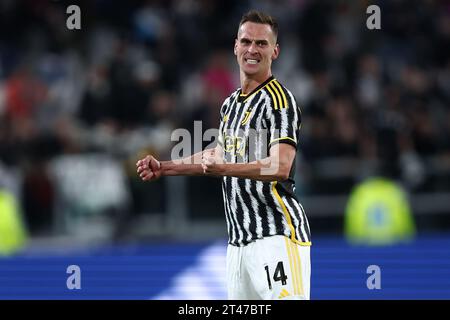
(305, 221)
(304, 226)
(296, 219)
(285, 190)
(227, 211)
(230, 108)
(232, 215)
(260, 147)
(230, 224)
(287, 212)
(277, 216)
(225, 108)
(246, 198)
(240, 156)
(292, 101)
(263, 210)
(250, 130)
(258, 113)
(231, 112)
(241, 206)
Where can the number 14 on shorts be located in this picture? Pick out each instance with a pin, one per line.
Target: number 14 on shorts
(277, 275)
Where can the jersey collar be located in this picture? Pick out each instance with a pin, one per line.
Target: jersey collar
(242, 97)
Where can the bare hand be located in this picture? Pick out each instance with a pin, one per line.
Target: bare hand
(148, 168)
(211, 162)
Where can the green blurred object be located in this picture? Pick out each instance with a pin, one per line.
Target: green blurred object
(378, 213)
(12, 232)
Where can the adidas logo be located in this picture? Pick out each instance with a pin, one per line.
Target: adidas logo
(284, 293)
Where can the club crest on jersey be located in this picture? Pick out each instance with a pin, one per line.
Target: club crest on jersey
(247, 117)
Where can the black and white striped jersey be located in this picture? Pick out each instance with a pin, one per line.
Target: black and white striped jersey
(250, 124)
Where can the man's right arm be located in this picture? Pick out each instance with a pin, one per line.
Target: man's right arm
(150, 169)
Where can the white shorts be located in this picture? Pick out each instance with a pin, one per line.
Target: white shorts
(271, 268)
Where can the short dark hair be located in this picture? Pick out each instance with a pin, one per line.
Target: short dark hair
(260, 17)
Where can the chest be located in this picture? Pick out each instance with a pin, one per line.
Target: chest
(243, 116)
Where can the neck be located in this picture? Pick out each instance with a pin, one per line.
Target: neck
(250, 83)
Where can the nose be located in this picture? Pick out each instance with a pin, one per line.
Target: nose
(253, 48)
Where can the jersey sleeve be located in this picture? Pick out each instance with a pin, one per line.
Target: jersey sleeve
(283, 117)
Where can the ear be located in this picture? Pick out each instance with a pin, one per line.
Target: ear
(276, 52)
(235, 46)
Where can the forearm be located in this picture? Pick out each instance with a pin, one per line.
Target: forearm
(189, 166)
(171, 168)
(268, 169)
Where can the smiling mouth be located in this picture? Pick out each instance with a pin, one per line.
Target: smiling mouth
(252, 61)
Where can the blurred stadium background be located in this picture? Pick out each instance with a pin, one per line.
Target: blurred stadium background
(79, 107)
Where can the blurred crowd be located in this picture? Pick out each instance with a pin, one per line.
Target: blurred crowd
(139, 69)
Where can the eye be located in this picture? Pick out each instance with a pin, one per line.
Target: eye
(245, 41)
(261, 43)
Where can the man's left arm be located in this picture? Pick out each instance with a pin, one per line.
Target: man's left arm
(275, 167)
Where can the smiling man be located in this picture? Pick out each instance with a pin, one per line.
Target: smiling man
(268, 255)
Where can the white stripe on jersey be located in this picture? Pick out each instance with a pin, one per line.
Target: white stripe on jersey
(294, 218)
(228, 215)
(270, 217)
(302, 226)
(246, 218)
(284, 124)
(234, 211)
(305, 223)
(254, 204)
(269, 114)
(297, 111)
(280, 209)
(261, 138)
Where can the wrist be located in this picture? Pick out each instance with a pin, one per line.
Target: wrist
(219, 169)
(164, 166)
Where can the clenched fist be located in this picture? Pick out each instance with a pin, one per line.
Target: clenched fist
(211, 162)
(149, 169)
